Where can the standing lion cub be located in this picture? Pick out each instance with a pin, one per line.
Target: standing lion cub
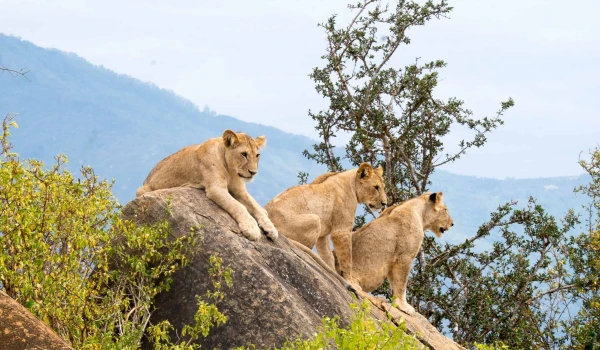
(309, 214)
(387, 246)
(221, 166)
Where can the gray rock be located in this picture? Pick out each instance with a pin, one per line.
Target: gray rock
(279, 293)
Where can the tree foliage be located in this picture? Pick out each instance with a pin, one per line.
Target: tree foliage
(509, 292)
(69, 258)
(390, 113)
(585, 260)
(520, 290)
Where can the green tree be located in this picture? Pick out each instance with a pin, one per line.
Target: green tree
(68, 257)
(514, 292)
(585, 260)
(390, 113)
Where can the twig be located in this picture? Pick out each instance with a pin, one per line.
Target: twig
(15, 73)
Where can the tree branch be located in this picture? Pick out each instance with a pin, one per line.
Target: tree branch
(15, 73)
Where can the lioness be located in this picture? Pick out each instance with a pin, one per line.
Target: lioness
(221, 166)
(309, 213)
(388, 245)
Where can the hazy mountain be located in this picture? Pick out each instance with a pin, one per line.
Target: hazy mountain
(119, 125)
(122, 127)
(472, 199)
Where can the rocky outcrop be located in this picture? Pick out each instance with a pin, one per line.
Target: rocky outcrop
(278, 293)
(20, 330)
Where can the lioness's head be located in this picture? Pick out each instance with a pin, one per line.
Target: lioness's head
(242, 153)
(370, 188)
(437, 216)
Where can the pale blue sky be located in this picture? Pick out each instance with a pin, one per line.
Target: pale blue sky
(250, 60)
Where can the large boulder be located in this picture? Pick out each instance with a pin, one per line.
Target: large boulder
(279, 293)
(20, 330)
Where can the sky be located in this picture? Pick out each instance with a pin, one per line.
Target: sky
(251, 60)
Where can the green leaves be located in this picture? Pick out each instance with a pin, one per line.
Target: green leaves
(68, 257)
(583, 255)
(514, 289)
(364, 332)
(504, 293)
(389, 112)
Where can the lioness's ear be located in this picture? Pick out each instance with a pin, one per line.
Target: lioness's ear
(261, 142)
(379, 170)
(436, 197)
(230, 138)
(364, 170)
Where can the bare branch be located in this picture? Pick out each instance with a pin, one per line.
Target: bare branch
(551, 291)
(15, 73)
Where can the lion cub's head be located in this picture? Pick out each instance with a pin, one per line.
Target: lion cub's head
(437, 215)
(370, 188)
(242, 153)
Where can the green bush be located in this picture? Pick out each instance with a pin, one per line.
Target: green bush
(69, 258)
(496, 346)
(364, 332)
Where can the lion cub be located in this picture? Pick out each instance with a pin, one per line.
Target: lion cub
(221, 166)
(387, 246)
(309, 214)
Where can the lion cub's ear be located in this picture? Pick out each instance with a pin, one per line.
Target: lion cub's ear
(364, 170)
(230, 138)
(261, 141)
(436, 197)
(379, 170)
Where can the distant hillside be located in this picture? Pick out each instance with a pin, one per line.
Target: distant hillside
(122, 127)
(119, 125)
(472, 199)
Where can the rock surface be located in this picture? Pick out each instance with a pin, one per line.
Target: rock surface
(278, 291)
(20, 330)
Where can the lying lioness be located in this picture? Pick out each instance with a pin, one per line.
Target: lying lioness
(387, 246)
(221, 166)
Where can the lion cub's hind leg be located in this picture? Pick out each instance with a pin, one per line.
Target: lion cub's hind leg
(303, 228)
(398, 277)
(325, 252)
(342, 242)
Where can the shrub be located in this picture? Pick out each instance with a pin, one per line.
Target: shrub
(364, 332)
(70, 259)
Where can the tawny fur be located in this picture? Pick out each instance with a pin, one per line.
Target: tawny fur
(221, 166)
(387, 246)
(323, 177)
(309, 214)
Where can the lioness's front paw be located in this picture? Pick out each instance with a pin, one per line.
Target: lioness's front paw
(403, 306)
(268, 227)
(250, 230)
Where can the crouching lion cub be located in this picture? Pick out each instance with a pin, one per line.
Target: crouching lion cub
(221, 166)
(308, 214)
(387, 246)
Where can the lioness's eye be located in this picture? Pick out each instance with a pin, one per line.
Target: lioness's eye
(245, 154)
(257, 155)
(377, 188)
